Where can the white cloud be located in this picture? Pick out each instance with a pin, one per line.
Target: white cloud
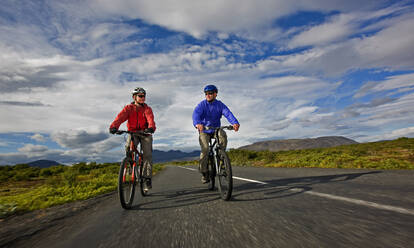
(199, 17)
(71, 72)
(400, 82)
(300, 112)
(390, 135)
(382, 49)
(392, 47)
(38, 137)
(395, 112)
(30, 148)
(4, 143)
(77, 138)
(403, 132)
(337, 29)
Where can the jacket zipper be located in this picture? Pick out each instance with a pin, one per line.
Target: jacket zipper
(136, 110)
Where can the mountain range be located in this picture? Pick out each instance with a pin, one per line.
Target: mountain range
(270, 145)
(172, 155)
(298, 144)
(158, 157)
(43, 163)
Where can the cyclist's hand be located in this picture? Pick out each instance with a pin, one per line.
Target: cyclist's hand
(236, 127)
(149, 130)
(113, 130)
(200, 127)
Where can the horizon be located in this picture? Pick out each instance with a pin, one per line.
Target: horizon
(188, 152)
(287, 70)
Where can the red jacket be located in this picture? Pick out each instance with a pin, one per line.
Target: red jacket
(139, 117)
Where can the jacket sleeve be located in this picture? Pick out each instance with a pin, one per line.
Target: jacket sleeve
(120, 118)
(229, 115)
(197, 113)
(149, 115)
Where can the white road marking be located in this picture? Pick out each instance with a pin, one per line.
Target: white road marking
(192, 169)
(249, 180)
(334, 197)
(362, 202)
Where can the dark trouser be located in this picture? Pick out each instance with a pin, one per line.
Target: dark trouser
(146, 143)
(204, 139)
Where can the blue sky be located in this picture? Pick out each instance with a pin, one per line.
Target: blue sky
(286, 69)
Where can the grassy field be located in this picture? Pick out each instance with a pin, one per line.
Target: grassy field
(24, 188)
(395, 154)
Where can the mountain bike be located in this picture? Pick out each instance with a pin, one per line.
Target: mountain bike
(219, 165)
(131, 171)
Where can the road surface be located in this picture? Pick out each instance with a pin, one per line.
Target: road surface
(271, 207)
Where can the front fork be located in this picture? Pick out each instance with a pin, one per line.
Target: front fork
(216, 162)
(134, 168)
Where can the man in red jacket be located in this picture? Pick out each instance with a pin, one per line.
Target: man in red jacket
(140, 118)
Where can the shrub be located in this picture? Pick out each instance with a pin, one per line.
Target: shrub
(45, 172)
(69, 177)
(57, 169)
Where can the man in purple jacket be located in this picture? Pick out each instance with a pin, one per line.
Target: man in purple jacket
(208, 114)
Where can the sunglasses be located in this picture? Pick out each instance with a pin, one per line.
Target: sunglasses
(141, 96)
(209, 93)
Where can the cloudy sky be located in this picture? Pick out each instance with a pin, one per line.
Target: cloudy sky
(286, 69)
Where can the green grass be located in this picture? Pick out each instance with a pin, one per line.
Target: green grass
(395, 154)
(24, 188)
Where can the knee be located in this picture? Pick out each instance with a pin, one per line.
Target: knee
(204, 150)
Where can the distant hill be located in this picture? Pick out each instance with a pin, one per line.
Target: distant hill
(298, 144)
(157, 156)
(171, 155)
(43, 163)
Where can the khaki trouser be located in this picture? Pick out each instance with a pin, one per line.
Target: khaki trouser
(204, 138)
(146, 143)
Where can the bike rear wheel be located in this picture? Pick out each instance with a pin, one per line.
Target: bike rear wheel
(126, 183)
(225, 176)
(212, 173)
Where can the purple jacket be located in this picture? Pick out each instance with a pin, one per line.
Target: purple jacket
(209, 114)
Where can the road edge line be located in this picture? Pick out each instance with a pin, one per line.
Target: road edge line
(335, 197)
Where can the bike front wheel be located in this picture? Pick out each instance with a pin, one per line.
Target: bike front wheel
(225, 176)
(126, 183)
(211, 173)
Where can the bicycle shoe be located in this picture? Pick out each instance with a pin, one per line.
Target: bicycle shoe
(205, 178)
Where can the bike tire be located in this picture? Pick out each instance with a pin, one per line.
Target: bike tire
(126, 184)
(142, 181)
(225, 176)
(211, 173)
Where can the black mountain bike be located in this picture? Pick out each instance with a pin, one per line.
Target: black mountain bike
(131, 171)
(219, 165)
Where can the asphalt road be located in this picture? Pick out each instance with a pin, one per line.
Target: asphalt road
(281, 208)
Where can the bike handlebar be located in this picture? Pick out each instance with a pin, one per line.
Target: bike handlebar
(119, 132)
(230, 127)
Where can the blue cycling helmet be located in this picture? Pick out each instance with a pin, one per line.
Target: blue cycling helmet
(210, 87)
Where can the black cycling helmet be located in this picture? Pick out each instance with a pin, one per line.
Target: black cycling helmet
(210, 87)
(138, 90)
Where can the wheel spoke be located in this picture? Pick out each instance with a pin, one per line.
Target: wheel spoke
(225, 177)
(126, 184)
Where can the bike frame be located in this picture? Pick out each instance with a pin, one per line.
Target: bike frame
(126, 182)
(214, 150)
(134, 153)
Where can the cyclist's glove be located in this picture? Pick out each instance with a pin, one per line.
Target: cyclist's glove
(113, 130)
(149, 130)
